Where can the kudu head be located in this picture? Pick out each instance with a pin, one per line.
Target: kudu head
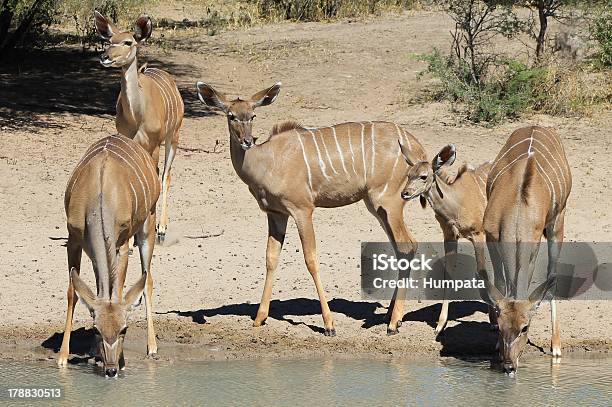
(110, 320)
(123, 44)
(240, 113)
(514, 318)
(422, 174)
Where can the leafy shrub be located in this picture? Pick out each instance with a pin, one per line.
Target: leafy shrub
(514, 89)
(602, 32)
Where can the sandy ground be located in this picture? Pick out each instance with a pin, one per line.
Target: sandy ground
(207, 289)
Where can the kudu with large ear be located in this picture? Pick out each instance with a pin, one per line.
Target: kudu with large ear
(409, 155)
(446, 156)
(133, 296)
(209, 96)
(490, 294)
(545, 291)
(143, 28)
(266, 96)
(104, 27)
(83, 292)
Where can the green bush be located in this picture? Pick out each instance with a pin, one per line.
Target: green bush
(512, 90)
(602, 32)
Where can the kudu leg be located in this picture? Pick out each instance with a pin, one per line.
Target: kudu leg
(303, 221)
(170, 153)
(481, 268)
(146, 242)
(122, 266)
(555, 240)
(450, 257)
(277, 226)
(391, 218)
(74, 261)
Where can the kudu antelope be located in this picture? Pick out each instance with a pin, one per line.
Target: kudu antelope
(298, 169)
(527, 188)
(149, 108)
(458, 201)
(111, 196)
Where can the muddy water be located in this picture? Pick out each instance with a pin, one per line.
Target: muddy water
(321, 382)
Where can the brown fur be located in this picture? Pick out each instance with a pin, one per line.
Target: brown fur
(300, 169)
(527, 187)
(150, 108)
(285, 126)
(110, 197)
(458, 200)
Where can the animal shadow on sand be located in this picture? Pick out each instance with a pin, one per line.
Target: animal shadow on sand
(281, 310)
(81, 342)
(468, 340)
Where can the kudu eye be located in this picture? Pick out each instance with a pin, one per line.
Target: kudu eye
(525, 329)
(423, 177)
(123, 331)
(128, 43)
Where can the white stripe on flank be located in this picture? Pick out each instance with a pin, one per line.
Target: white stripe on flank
(505, 153)
(558, 149)
(478, 179)
(321, 163)
(503, 170)
(401, 136)
(551, 188)
(529, 151)
(365, 172)
(348, 129)
(145, 184)
(561, 178)
(306, 162)
(135, 211)
(166, 95)
(399, 153)
(331, 164)
(373, 147)
(145, 157)
(340, 153)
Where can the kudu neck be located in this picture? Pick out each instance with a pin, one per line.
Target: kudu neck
(130, 90)
(245, 161)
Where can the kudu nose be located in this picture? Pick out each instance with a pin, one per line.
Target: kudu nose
(112, 372)
(405, 196)
(509, 368)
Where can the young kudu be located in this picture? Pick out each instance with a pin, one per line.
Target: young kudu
(458, 201)
(149, 108)
(110, 197)
(298, 169)
(527, 188)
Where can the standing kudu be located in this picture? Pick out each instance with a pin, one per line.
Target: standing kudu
(149, 108)
(298, 169)
(527, 188)
(458, 201)
(110, 197)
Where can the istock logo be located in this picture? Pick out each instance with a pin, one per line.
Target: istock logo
(384, 262)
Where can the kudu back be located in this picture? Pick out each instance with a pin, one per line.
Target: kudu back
(110, 197)
(527, 191)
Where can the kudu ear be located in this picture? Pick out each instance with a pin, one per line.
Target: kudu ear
(209, 96)
(266, 96)
(409, 155)
(545, 291)
(132, 297)
(104, 27)
(85, 294)
(490, 294)
(143, 28)
(446, 156)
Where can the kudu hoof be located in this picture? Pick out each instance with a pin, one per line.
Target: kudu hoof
(330, 332)
(393, 331)
(161, 237)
